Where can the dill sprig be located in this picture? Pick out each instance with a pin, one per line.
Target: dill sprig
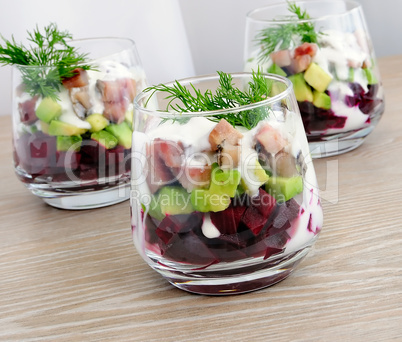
(226, 96)
(283, 36)
(45, 62)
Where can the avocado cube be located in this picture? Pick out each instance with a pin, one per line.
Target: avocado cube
(301, 89)
(283, 189)
(371, 79)
(105, 139)
(351, 76)
(170, 200)
(48, 110)
(321, 100)
(122, 132)
(129, 117)
(224, 184)
(317, 77)
(253, 177)
(62, 128)
(97, 122)
(68, 143)
(277, 70)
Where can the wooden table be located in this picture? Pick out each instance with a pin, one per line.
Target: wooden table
(75, 275)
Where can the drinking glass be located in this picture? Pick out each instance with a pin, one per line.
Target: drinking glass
(73, 149)
(218, 208)
(327, 53)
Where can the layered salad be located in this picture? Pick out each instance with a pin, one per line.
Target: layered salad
(215, 192)
(72, 115)
(336, 81)
(84, 136)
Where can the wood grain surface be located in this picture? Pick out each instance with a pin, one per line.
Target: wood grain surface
(75, 275)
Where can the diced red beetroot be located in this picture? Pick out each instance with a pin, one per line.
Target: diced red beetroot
(238, 212)
(253, 219)
(270, 139)
(36, 152)
(188, 248)
(67, 160)
(223, 133)
(306, 49)
(91, 151)
(88, 174)
(171, 152)
(80, 79)
(368, 105)
(226, 248)
(264, 203)
(116, 155)
(224, 221)
(285, 213)
(27, 111)
(278, 240)
(176, 224)
(318, 119)
(281, 58)
(150, 230)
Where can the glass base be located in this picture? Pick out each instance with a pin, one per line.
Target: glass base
(235, 280)
(324, 149)
(85, 200)
(339, 143)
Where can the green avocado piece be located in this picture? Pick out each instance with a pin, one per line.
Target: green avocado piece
(277, 70)
(371, 79)
(97, 122)
(283, 189)
(301, 89)
(68, 143)
(317, 77)
(223, 186)
(105, 139)
(62, 128)
(253, 177)
(122, 132)
(48, 110)
(351, 77)
(321, 100)
(170, 200)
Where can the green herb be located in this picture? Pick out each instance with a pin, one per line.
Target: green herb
(182, 99)
(282, 36)
(50, 60)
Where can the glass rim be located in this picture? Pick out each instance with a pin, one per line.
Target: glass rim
(250, 15)
(209, 77)
(130, 45)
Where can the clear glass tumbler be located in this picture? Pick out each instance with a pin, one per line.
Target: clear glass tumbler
(325, 49)
(73, 149)
(223, 201)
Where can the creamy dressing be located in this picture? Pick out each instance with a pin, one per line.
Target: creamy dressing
(193, 134)
(343, 52)
(208, 228)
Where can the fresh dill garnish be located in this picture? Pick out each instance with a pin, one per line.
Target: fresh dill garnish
(282, 36)
(183, 100)
(44, 64)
